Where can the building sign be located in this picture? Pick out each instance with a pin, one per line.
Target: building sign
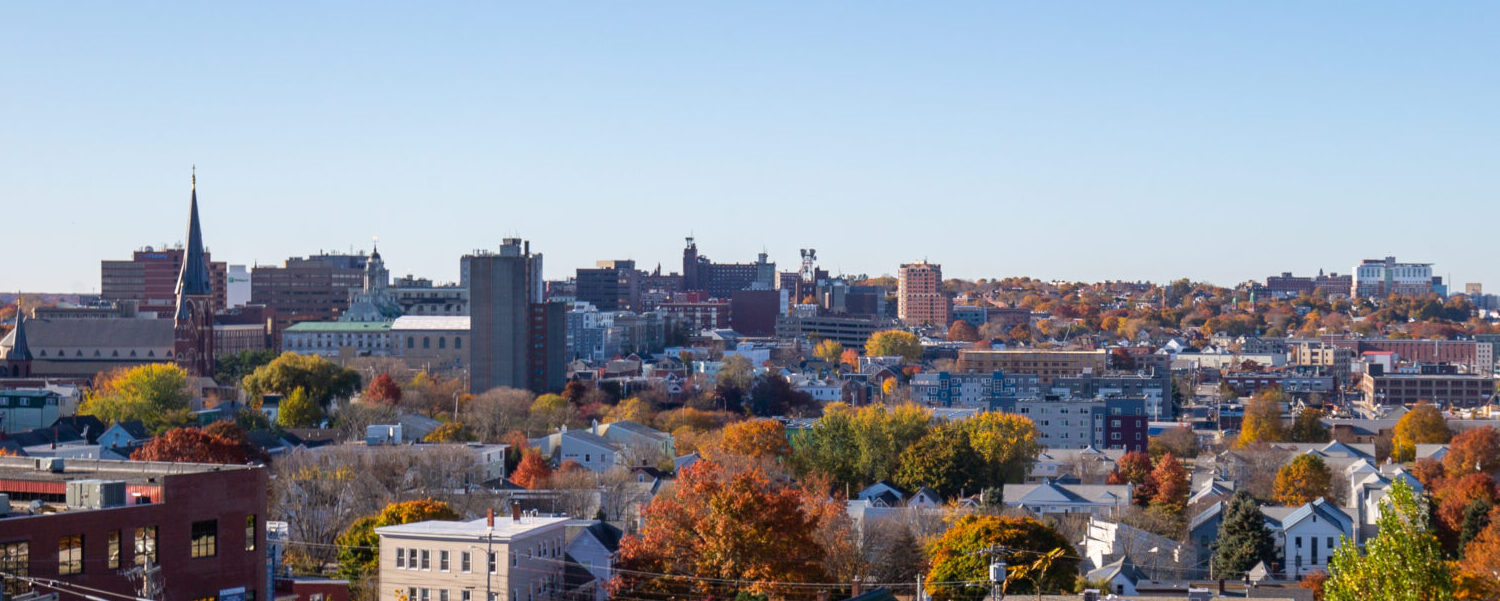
(232, 594)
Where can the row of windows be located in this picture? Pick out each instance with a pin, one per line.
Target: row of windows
(442, 343)
(61, 354)
(426, 594)
(15, 557)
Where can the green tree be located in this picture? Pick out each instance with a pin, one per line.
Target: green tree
(156, 394)
(1308, 427)
(894, 343)
(359, 546)
(1303, 480)
(321, 379)
(1404, 562)
(882, 436)
(229, 369)
(943, 461)
(1243, 538)
(958, 556)
(829, 448)
(297, 410)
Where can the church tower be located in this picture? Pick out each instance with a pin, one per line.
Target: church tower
(17, 362)
(194, 319)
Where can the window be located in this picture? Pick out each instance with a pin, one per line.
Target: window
(493, 568)
(1299, 542)
(113, 561)
(145, 545)
(442, 344)
(463, 596)
(15, 559)
(205, 538)
(400, 558)
(426, 594)
(426, 563)
(411, 559)
(463, 562)
(250, 532)
(70, 555)
(410, 342)
(514, 556)
(426, 342)
(442, 594)
(458, 343)
(443, 566)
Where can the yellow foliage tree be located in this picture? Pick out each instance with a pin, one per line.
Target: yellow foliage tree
(894, 343)
(1423, 424)
(1262, 421)
(756, 438)
(631, 410)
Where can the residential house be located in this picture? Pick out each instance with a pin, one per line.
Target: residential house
(1052, 497)
(588, 449)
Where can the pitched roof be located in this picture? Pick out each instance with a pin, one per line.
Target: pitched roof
(1120, 567)
(607, 535)
(91, 427)
(108, 332)
(135, 428)
(1318, 507)
(16, 340)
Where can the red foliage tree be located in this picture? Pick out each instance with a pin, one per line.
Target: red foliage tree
(1455, 497)
(192, 445)
(383, 389)
(1170, 481)
(1135, 468)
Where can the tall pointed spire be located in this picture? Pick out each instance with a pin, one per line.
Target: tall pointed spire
(19, 349)
(194, 279)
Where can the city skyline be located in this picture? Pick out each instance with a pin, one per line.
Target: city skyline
(1075, 143)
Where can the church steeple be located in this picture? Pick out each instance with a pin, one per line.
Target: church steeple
(194, 279)
(19, 349)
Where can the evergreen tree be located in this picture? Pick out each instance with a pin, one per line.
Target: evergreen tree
(1404, 562)
(1476, 518)
(1243, 538)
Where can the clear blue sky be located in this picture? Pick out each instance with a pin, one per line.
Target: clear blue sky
(1106, 140)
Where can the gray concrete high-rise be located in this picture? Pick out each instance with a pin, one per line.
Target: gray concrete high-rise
(509, 333)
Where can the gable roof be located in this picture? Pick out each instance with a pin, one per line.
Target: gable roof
(1319, 508)
(88, 425)
(135, 428)
(1120, 567)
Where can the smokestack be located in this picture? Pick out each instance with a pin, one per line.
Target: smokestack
(490, 517)
(515, 512)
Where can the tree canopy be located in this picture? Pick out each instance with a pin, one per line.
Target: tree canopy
(944, 461)
(298, 410)
(359, 546)
(155, 393)
(1243, 539)
(1403, 562)
(894, 343)
(1423, 424)
(221, 442)
(321, 379)
(957, 556)
(1262, 421)
(1303, 480)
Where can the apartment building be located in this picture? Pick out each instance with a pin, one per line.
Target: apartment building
(1046, 365)
(919, 296)
(519, 557)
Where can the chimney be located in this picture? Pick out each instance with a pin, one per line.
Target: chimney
(856, 588)
(515, 512)
(1221, 587)
(490, 517)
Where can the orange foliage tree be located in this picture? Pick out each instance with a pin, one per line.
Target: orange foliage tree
(533, 471)
(719, 533)
(1170, 480)
(1474, 450)
(1135, 468)
(963, 331)
(1302, 481)
(756, 438)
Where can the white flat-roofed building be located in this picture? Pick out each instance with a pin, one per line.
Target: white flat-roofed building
(434, 342)
(518, 557)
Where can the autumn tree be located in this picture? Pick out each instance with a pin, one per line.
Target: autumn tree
(449, 432)
(958, 556)
(1473, 450)
(1403, 562)
(222, 442)
(1262, 421)
(1170, 480)
(756, 438)
(1303, 480)
(1179, 441)
(763, 535)
(894, 343)
(1243, 539)
(963, 331)
(849, 358)
(944, 461)
(533, 471)
(1135, 468)
(383, 389)
(1308, 427)
(298, 410)
(359, 546)
(829, 351)
(156, 394)
(320, 379)
(1479, 564)
(632, 409)
(1007, 443)
(230, 368)
(1453, 502)
(772, 394)
(1423, 424)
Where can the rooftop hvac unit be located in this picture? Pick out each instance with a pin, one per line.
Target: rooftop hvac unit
(1200, 594)
(49, 464)
(95, 494)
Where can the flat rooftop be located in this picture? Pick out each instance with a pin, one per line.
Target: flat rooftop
(505, 527)
(34, 469)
